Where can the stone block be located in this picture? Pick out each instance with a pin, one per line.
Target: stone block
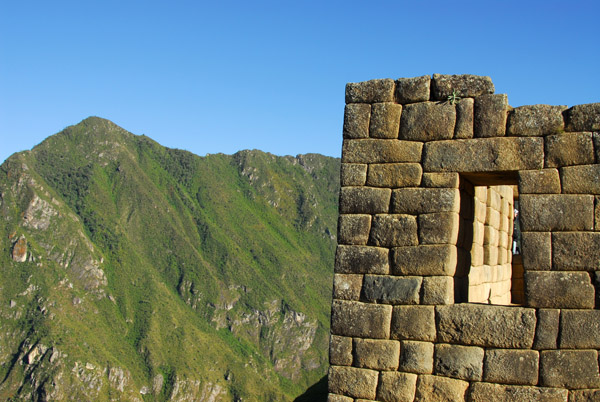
(424, 260)
(361, 260)
(350, 318)
(354, 229)
(491, 235)
(392, 289)
(396, 387)
(364, 200)
(583, 117)
(339, 398)
(464, 85)
(571, 369)
(394, 175)
(490, 255)
(550, 289)
(347, 286)
(597, 215)
(584, 395)
(581, 179)
(486, 325)
(456, 361)
(376, 354)
(596, 139)
(353, 174)
(394, 230)
(373, 150)
(385, 120)
(438, 290)
(425, 200)
(535, 120)
(440, 389)
(546, 331)
(439, 228)
(544, 181)
(439, 180)
(569, 149)
(356, 120)
(372, 91)
(490, 115)
(416, 323)
(536, 251)
(511, 366)
(411, 90)
(492, 218)
(340, 350)
(484, 155)
(353, 382)
(486, 392)
(580, 329)
(416, 357)
(427, 121)
(464, 118)
(556, 212)
(576, 251)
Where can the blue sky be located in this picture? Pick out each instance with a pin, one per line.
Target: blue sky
(224, 76)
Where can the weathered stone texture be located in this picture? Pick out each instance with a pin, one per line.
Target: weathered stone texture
(569, 368)
(535, 120)
(447, 180)
(484, 155)
(537, 251)
(576, 251)
(361, 260)
(354, 229)
(580, 329)
(376, 354)
(511, 366)
(411, 90)
(485, 392)
(438, 228)
(546, 181)
(340, 350)
(490, 115)
(438, 290)
(462, 362)
(415, 323)
(394, 230)
(597, 215)
(464, 118)
(425, 200)
(465, 86)
(486, 326)
(339, 398)
(396, 387)
(354, 382)
(364, 200)
(424, 260)
(440, 389)
(584, 117)
(365, 320)
(549, 289)
(427, 121)
(556, 212)
(569, 149)
(353, 174)
(416, 357)
(385, 120)
(585, 395)
(381, 90)
(356, 120)
(394, 175)
(596, 139)
(581, 179)
(374, 150)
(546, 331)
(392, 289)
(347, 287)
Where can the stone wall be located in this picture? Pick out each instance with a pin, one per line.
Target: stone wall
(429, 304)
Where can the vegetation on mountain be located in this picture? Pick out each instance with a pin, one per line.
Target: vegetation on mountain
(154, 274)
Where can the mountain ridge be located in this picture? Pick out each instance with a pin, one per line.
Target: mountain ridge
(158, 246)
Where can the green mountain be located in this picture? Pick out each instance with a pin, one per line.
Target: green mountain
(131, 271)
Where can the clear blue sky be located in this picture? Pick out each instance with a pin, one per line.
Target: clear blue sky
(222, 76)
